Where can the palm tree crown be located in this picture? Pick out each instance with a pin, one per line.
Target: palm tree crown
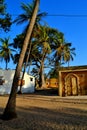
(6, 51)
(27, 13)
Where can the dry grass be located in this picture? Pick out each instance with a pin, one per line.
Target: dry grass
(42, 112)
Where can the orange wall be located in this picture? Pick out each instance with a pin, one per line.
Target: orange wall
(52, 83)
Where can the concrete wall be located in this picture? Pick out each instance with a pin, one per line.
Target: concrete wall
(8, 76)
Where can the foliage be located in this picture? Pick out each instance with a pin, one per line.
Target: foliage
(5, 18)
(27, 13)
(48, 45)
(2, 7)
(6, 51)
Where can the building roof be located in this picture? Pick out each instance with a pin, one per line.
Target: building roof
(74, 68)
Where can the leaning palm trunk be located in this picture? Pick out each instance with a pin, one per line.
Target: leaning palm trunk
(20, 91)
(10, 110)
(25, 65)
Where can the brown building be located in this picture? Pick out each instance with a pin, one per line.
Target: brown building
(73, 81)
(52, 83)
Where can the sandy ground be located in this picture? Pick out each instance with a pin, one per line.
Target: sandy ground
(42, 112)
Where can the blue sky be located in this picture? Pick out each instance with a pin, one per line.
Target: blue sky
(74, 28)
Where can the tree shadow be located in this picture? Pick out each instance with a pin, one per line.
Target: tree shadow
(0, 116)
(38, 118)
(47, 92)
(1, 113)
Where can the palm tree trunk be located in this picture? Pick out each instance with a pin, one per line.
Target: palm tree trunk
(43, 79)
(25, 65)
(6, 65)
(68, 63)
(20, 91)
(41, 74)
(10, 110)
(29, 67)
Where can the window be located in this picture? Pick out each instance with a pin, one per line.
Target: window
(31, 79)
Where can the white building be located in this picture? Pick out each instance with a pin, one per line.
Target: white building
(6, 79)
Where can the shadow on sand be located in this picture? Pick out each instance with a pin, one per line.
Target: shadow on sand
(47, 92)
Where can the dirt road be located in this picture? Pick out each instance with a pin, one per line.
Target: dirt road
(41, 112)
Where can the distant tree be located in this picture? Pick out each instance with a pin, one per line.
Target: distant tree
(52, 73)
(6, 51)
(5, 18)
(68, 53)
(2, 6)
(62, 50)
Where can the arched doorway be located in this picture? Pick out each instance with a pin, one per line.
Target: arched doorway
(71, 84)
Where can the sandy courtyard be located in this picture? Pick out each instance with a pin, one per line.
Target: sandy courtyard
(41, 112)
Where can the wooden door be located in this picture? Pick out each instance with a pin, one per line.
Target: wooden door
(71, 86)
(74, 86)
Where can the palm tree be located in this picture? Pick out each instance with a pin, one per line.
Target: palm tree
(31, 54)
(42, 50)
(62, 50)
(45, 39)
(6, 51)
(27, 14)
(25, 17)
(68, 54)
(10, 110)
(57, 48)
(5, 18)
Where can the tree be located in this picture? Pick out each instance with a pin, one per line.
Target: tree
(5, 18)
(57, 47)
(27, 14)
(68, 53)
(62, 50)
(25, 17)
(2, 6)
(10, 110)
(44, 49)
(45, 38)
(6, 51)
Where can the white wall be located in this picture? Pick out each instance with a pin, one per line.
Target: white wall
(8, 75)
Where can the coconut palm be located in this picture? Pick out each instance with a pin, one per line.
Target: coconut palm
(46, 40)
(6, 51)
(25, 17)
(68, 54)
(5, 18)
(43, 40)
(10, 110)
(27, 13)
(62, 50)
(57, 48)
(2, 7)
